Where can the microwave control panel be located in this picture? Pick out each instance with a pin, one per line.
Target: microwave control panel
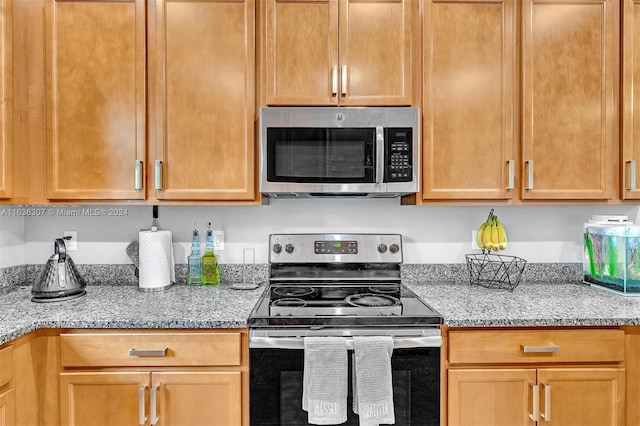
(398, 143)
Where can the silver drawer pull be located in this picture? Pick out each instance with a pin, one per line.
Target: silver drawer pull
(157, 352)
(142, 418)
(540, 349)
(535, 410)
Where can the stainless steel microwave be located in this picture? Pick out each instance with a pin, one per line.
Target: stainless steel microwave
(339, 151)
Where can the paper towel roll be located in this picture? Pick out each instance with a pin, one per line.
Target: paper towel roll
(157, 268)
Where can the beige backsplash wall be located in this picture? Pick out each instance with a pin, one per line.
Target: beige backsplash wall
(432, 234)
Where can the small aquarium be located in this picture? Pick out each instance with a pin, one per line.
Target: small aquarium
(611, 257)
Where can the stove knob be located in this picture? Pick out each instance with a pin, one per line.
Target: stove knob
(382, 247)
(394, 248)
(288, 248)
(277, 248)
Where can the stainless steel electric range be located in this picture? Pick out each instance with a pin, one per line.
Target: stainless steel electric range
(340, 285)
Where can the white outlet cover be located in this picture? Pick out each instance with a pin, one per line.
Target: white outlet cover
(71, 244)
(218, 240)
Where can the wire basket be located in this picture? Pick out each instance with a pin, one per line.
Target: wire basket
(495, 270)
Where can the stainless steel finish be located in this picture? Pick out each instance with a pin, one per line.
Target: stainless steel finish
(158, 175)
(59, 279)
(304, 250)
(155, 289)
(546, 415)
(343, 81)
(349, 117)
(292, 338)
(304, 307)
(529, 164)
(511, 179)
(148, 352)
(334, 80)
(632, 175)
(153, 409)
(379, 154)
(551, 348)
(535, 415)
(142, 419)
(138, 175)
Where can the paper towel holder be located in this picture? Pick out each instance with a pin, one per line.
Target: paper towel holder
(153, 289)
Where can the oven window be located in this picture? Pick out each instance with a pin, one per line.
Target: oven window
(276, 377)
(319, 155)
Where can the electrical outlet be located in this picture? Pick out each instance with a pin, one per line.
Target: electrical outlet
(72, 243)
(218, 240)
(474, 232)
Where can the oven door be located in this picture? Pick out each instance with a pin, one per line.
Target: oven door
(276, 371)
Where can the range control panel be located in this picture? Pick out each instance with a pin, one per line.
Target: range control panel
(335, 248)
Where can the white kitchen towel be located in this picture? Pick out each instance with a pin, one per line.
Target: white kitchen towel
(324, 391)
(156, 262)
(372, 385)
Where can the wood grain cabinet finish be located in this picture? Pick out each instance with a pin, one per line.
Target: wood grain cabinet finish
(542, 376)
(95, 98)
(630, 99)
(339, 52)
(6, 106)
(469, 87)
(570, 61)
(7, 390)
(203, 100)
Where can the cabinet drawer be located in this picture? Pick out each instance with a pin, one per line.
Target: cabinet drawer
(6, 365)
(150, 349)
(535, 346)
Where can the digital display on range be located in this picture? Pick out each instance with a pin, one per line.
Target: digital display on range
(335, 247)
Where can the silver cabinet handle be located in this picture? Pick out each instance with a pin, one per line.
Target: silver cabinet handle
(529, 164)
(632, 174)
(535, 414)
(334, 80)
(511, 179)
(138, 175)
(540, 349)
(546, 416)
(143, 352)
(142, 419)
(158, 175)
(343, 81)
(153, 412)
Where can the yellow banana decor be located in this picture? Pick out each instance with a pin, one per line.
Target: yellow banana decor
(491, 234)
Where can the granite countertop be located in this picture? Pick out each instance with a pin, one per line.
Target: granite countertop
(461, 305)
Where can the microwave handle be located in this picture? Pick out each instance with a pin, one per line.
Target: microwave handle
(380, 154)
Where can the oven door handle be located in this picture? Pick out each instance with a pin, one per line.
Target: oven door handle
(298, 342)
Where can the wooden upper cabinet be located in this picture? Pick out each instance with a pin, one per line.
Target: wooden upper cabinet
(570, 61)
(339, 52)
(630, 98)
(6, 107)
(95, 99)
(469, 84)
(203, 100)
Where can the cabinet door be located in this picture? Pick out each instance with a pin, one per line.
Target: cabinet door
(582, 396)
(6, 106)
(8, 408)
(109, 398)
(469, 94)
(376, 45)
(491, 397)
(204, 100)
(301, 58)
(95, 98)
(631, 99)
(569, 61)
(199, 398)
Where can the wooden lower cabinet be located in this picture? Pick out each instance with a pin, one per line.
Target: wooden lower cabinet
(546, 376)
(8, 408)
(149, 398)
(565, 396)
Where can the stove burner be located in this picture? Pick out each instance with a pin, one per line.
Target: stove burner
(371, 299)
(384, 289)
(293, 291)
(290, 302)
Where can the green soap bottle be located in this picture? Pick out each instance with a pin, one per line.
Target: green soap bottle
(195, 260)
(210, 270)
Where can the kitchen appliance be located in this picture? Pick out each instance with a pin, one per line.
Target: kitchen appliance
(59, 279)
(340, 285)
(337, 152)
